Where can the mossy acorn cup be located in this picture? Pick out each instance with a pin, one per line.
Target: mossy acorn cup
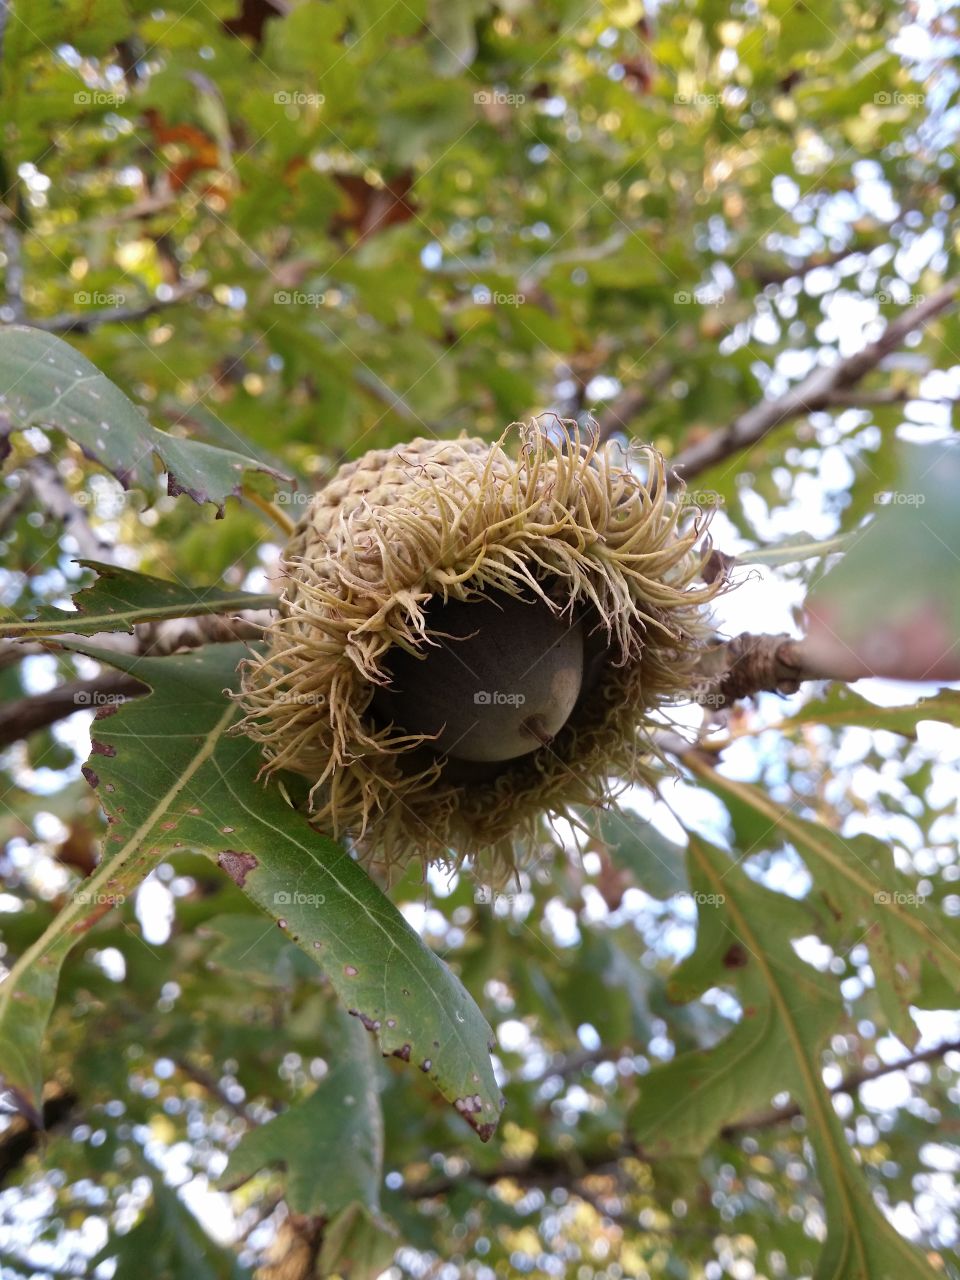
(472, 637)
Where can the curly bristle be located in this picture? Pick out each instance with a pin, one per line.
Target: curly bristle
(451, 520)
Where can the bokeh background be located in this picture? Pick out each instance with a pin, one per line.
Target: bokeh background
(310, 229)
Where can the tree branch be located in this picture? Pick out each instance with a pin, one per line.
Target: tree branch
(815, 392)
(53, 495)
(751, 664)
(849, 1084)
(780, 274)
(25, 716)
(13, 252)
(556, 1169)
(75, 323)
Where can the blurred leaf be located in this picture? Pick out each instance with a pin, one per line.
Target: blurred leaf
(658, 864)
(793, 550)
(891, 607)
(52, 385)
(331, 1145)
(174, 1241)
(858, 896)
(119, 598)
(841, 706)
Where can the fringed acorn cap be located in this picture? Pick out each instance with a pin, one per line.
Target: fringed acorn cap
(421, 576)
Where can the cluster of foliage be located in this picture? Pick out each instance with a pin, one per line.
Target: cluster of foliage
(292, 232)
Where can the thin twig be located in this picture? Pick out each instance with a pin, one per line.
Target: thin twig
(25, 716)
(816, 392)
(53, 495)
(631, 402)
(556, 1169)
(199, 1075)
(849, 1084)
(13, 252)
(73, 322)
(749, 664)
(764, 276)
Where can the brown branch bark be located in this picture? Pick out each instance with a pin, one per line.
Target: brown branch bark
(763, 276)
(25, 716)
(815, 392)
(553, 1170)
(56, 500)
(751, 664)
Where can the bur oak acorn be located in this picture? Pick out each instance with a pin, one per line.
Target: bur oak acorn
(473, 639)
(498, 680)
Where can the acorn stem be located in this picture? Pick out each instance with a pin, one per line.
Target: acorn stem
(535, 726)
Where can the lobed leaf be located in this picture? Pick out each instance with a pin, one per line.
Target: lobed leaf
(788, 1011)
(858, 895)
(171, 776)
(49, 384)
(119, 598)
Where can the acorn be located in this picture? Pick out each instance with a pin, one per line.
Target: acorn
(498, 680)
(473, 638)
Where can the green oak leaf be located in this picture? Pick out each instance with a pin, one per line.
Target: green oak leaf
(119, 598)
(858, 895)
(331, 1145)
(788, 1011)
(49, 384)
(171, 776)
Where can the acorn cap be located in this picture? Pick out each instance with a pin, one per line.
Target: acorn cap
(381, 551)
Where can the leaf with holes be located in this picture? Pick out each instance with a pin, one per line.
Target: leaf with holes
(119, 598)
(171, 776)
(49, 384)
(788, 1011)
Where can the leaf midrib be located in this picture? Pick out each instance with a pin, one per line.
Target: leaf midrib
(785, 822)
(813, 1088)
(43, 626)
